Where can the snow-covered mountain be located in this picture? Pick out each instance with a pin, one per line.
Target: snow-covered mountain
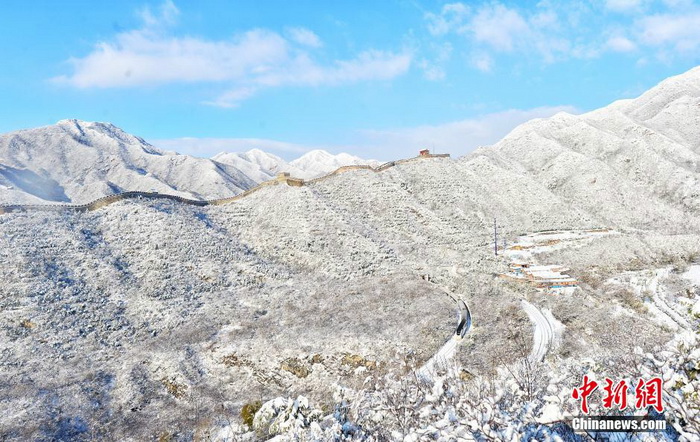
(257, 164)
(262, 166)
(78, 161)
(614, 160)
(150, 317)
(319, 162)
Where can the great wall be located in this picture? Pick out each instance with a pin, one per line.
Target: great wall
(282, 178)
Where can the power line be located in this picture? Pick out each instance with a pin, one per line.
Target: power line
(495, 237)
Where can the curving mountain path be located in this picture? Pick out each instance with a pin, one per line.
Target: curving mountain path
(543, 334)
(445, 354)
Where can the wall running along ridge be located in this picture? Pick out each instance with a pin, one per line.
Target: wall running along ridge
(282, 178)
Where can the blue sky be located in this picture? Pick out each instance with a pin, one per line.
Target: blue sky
(377, 79)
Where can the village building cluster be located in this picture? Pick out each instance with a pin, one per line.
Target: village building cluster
(541, 276)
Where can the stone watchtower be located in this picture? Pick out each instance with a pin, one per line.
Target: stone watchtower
(285, 178)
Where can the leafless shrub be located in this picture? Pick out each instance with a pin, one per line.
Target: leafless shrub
(629, 299)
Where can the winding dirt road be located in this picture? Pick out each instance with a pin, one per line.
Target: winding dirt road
(442, 357)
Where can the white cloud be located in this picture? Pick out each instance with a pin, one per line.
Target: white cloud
(144, 57)
(433, 67)
(432, 72)
(167, 15)
(680, 32)
(503, 29)
(457, 138)
(482, 62)
(498, 27)
(244, 64)
(305, 37)
(623, 5)
(621, 44)
(678, 3)
(368, 65)
(545, 19)
(450, 18)
(232, 98)
(551, 31)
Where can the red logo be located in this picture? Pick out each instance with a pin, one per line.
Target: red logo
(647, 394)
(584, 391)
(616, 395)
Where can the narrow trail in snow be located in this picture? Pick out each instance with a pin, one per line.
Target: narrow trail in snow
(441, 358)
(662, 305)
(543, 334)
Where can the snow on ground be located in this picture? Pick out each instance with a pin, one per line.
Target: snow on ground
(693, 274)
(556, 326)
(526, 247)
(258, 165)
(78, 161)
(647, 284)
(262, 166)
(441, 360)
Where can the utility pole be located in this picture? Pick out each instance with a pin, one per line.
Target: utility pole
(495, 237)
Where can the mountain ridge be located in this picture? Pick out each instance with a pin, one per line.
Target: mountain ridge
(576, 161)
(76, 161)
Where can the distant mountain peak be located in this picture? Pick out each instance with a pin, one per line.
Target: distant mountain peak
(319, 162)
(256, 151)
(79, 161)
(99, 126)
(72, 122)
(261, 165)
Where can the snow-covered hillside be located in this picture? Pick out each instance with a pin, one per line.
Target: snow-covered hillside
(78, 161)
(175, 311)
(627, 153)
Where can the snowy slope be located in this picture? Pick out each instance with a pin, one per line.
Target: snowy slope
(616, 159)
(607, 163)
(80, 161)
(77, 161)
